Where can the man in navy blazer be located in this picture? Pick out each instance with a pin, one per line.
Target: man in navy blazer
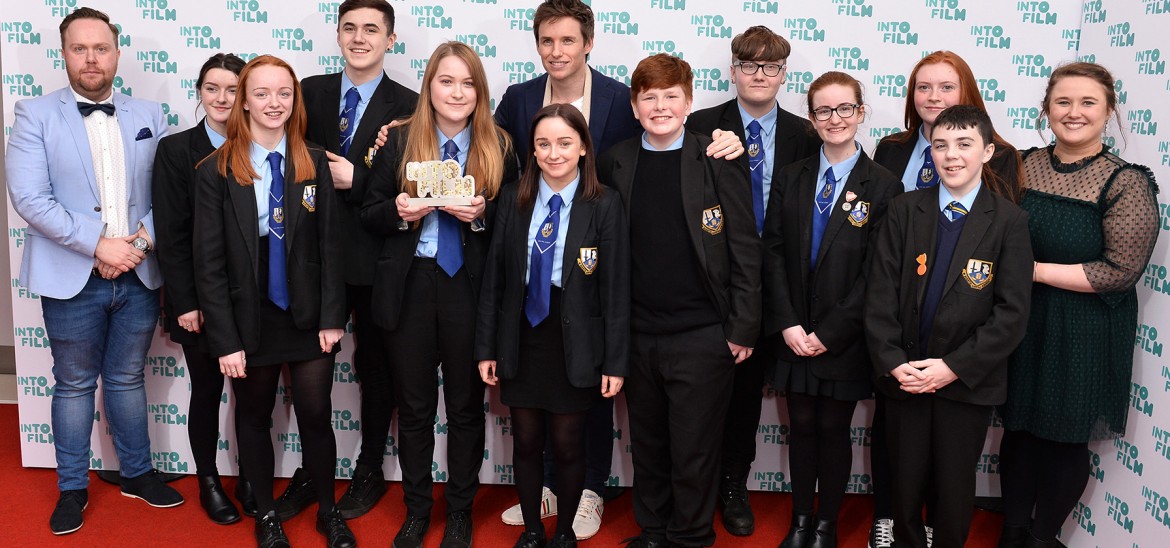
(79, 172)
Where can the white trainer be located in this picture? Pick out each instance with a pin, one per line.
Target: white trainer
(548, 508)
(588, 519)
(929, 536)
(881, 534)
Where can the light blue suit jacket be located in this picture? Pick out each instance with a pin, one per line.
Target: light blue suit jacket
(52, 186)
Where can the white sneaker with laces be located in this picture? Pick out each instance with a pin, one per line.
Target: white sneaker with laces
(548, 508)
(881, 535)
(588, 519)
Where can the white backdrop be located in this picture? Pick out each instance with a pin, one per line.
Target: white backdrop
(1011, 45)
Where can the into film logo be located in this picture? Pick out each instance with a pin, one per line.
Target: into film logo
(343, 372)
(166, 413)
(617, 22)
(857, 8)
(1037, 13)
(1161, 441)
(343, 421)
(847, 58)
(711, 26)
(1147, 340)
(22, 85)
(288, 39)
(1094, 11)
(290, 442)
(1141, 122)
(519, 18)
(1156, 505)
(1095, 470)
(479, 43)
(431, 17)
(503, 473)
(897, 32)
(169, 461)
(652, 47)
(23, 292)
(36, 432)
(32, 337)
(946, 10)
(1139, 399)
(991, 37)
(344, 468)
(771, 481)
(156, 10)
(1083, 516)
(156, 61)
(19, 32)
(669, 5)
(165, 366)
(761, 7)
(247, 11)
(1118, 510)
(35, 386)
(1128, 455)
(804, 29)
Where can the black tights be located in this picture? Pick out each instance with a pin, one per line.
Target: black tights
(203, 413)
(568, 448)
(1041, 479)
(819, 449)
(312, 381)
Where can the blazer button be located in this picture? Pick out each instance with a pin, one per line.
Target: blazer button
(97, 208)
(910, 344)
(816, 298)
(565, 320)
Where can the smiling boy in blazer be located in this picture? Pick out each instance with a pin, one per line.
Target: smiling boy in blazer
(949, 295)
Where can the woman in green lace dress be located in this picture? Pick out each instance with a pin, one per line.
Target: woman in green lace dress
(1093, 219)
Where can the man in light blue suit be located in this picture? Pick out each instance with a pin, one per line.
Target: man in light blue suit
(79, 168)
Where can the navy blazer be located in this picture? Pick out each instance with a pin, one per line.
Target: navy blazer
(977, 325)
(595, 305)
(611, 114)
(829, 301)
(174, 203)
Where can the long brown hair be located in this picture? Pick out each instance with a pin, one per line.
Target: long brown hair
(490, 145)
(237, 149)
(968, 95)
(591, 188)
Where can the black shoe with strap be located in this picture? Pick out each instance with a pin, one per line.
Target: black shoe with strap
(337, 533)
(412, 532)
(215, 502)
(297, 496)
(269, 533)
(458, 531)
(366, 488)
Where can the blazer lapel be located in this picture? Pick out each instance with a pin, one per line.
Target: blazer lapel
(520, 240)
(243, 200)
(293, 212)
(925, 229)
(903, 155)
(974, 228)
(580, 217)
(534, 101)
(200, 144)
(838, 216)
(328, 108)
(128, 126)
(380, 104)
(599, 104)
(693, 172)
(76, 125)
(804, 209)
(624, 166)
(733, 122)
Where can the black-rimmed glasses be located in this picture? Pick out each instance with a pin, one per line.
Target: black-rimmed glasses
(751, 67)
(846, 110)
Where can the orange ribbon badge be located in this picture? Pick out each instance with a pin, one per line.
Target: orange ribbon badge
(921, 264)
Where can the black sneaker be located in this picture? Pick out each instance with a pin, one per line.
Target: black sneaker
(151, 489)
(269, 533)
(458, 531)
(412, 532)
(337, 533)
(737, 510)
(66, 516)
(297, 496)
(364, 491)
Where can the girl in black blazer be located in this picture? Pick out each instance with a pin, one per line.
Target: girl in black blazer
(815, 252)
(427, 280)
(267, 271)
(561, 339)
(173, 185)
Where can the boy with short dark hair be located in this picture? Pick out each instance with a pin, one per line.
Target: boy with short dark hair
(695, 310)
(949, 294)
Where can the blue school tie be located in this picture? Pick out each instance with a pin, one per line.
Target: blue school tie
(348, 119)
(450, 253)
(277, 281)
(927, 175)
(755, 149)
(957, 211)
(824, 205)
(540, 269)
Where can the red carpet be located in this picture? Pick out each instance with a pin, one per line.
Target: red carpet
(114, 520)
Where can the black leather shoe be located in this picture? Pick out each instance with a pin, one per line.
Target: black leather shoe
(643, 541)
(269, 533)
(412, 532)
(364, 491)
(1014, 536)
(457, 534)
(736, 510)
(563, 541)
(297, 496)
(215, 502)
(66, 516)
(801, 534)
(246, 497)
(530, 539)
(151, 489)
(337, 533)
(825, 535)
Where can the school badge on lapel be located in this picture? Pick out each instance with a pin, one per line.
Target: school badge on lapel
(587, 260)
(978, 273)
(860, 214)
(713, 220)
(370, 153)
(309, 198)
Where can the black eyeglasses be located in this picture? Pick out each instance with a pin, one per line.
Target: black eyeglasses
(846, 110)
(751, 67)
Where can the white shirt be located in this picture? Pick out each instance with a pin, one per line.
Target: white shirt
(109, 167)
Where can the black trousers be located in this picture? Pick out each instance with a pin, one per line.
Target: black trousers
(743, 412)
(936, 441)
(437, 327)
(677, 393)
(371, 361)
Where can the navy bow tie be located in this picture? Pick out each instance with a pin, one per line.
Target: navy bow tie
(89, 108)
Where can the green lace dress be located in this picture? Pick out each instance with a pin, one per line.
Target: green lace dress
(1069, 380)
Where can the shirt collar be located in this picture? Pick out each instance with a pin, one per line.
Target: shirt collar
(216, 139)
(462, 140)
(677, 144)
(840, 170)
(109, 100)
(920, 145)
(945, 198)
(259, 154)
(545, 192)
(767, 121)
(365, 91)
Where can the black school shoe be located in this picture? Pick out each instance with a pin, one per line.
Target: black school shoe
(297, 496)
(458, 531)
(150, 488)
(365, 490)
(215, 502)
(337, 533)
(269, 533)
(66, 516)
(412, 532)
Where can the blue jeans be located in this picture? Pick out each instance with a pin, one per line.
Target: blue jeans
(103, 331)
